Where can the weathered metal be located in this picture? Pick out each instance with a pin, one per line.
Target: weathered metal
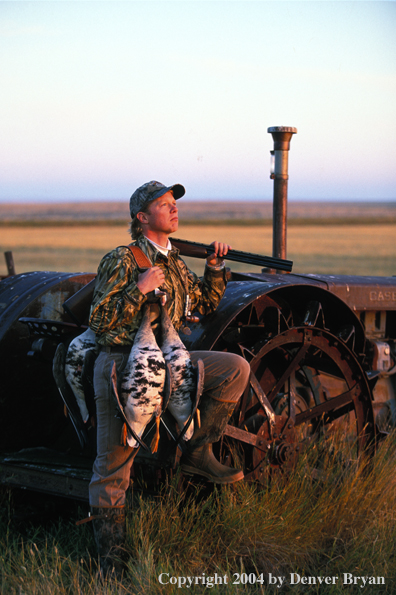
(320, 347)
(9, 262)
(31, 413)
(282, 136)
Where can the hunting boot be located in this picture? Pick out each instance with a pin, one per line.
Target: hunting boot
(198, 459)
(109, 525)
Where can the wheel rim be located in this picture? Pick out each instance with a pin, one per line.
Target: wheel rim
(314, 384)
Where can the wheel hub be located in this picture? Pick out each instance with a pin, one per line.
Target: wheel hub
(284, 453)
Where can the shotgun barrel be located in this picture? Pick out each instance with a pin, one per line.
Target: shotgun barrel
(197, 250)
(78, 304)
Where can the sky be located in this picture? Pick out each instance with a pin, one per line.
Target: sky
(97, 98)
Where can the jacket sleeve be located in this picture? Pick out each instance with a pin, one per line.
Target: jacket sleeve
(206, 292)
(116, 299)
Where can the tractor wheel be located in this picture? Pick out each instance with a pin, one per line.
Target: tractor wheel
(306, 383)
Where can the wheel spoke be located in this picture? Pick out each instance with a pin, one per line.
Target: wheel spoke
(289, 370)
(264, 401)
(331, 405)
(305, 384)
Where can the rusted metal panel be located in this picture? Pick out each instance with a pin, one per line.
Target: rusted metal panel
(362, 293)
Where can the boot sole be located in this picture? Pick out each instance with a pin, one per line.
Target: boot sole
(231, 479)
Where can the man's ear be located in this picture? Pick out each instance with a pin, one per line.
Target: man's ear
(142, 217)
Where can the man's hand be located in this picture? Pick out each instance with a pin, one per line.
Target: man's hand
(150, 279)
(221, 250)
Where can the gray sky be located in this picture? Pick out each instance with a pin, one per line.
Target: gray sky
(97, 98)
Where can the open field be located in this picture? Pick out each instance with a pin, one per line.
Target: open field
(193, 211)
(329, 249)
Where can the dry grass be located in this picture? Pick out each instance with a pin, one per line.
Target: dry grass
(343, 523)
(342, 249)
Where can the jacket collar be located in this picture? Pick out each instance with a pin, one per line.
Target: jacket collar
(151, 251)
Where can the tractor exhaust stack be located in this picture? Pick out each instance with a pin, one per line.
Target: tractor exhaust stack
(279, 173)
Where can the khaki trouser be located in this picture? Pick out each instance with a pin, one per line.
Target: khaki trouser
(226, 376)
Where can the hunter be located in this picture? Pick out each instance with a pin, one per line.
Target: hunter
(120, 293)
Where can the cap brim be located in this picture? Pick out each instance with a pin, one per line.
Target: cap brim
(177, 190)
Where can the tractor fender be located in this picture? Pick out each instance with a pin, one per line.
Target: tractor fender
(282, 289)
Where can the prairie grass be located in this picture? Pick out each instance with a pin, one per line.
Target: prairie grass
(343, 522)
(326, 249)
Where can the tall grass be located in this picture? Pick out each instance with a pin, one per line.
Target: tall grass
(343, 522)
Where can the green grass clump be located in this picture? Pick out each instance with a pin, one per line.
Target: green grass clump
(334, 514)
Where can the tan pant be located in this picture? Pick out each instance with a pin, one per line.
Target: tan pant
(226, 376)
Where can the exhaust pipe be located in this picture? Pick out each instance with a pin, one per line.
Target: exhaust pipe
(279, 173)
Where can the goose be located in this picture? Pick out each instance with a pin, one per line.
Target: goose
(143, 382)
(183, 376)
(74, 362)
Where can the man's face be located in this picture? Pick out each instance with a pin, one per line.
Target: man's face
(162, 215)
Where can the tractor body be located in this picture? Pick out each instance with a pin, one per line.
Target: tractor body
(322, 350)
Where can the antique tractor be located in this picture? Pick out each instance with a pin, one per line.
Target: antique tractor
(322, 352)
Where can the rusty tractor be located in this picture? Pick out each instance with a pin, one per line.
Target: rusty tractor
(322, 352)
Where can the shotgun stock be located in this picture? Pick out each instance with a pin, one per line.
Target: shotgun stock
(197, 250)
(77, 306)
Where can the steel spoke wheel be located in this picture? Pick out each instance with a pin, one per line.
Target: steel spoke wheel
(306, 384)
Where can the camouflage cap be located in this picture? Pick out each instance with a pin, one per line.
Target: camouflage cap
(149, 192)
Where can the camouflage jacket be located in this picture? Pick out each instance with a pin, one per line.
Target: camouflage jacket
(116, 309)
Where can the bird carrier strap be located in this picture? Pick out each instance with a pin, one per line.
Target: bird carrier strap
(142, 260)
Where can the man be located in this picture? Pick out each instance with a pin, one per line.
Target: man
(120, 293)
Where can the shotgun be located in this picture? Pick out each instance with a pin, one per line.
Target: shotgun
(78, 304)
(197, 250)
